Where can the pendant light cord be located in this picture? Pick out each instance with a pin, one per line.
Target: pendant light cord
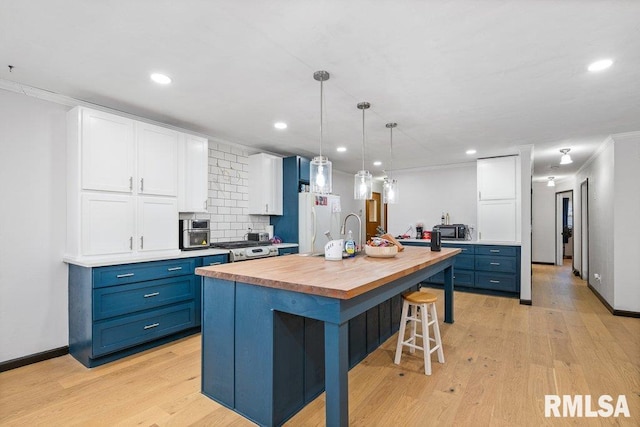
(391, 153)
(321, 97)
(363, 138)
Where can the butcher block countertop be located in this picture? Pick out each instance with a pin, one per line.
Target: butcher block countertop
(335, 279)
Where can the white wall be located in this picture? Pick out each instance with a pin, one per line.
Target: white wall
(626, 219)
(33, 278)
(523, 207)
(424, 194)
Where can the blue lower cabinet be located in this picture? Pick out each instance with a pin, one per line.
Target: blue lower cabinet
(287, 251)
(119, 310)
(497, 281)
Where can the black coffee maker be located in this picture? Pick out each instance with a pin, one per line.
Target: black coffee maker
(418, 232)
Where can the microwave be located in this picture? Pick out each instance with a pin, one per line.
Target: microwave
(193, 234)
(452, 231)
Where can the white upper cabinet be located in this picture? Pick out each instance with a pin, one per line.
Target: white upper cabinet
(193, 174)
(265, 184)
(107, 151)
(497, 178)
(157, 224)
(157, 160)
(107, 224)
(497, 220)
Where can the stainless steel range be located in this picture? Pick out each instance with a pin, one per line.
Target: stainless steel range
(244, 250)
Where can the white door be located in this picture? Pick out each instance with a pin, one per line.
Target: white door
(107, 224)
(107, 152)
(157, 224)
(497, 178)
(497, 220)
(193, 174)
(157, 160)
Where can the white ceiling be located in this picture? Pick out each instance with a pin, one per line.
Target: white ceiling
(490, 75)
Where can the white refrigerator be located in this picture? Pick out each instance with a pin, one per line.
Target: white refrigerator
(318, 214)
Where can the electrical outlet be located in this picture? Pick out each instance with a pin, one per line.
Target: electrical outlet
(597, 277)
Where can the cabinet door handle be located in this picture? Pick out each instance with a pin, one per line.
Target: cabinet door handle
(151, 326)
(204, 204)
(266, 207)
(494, 250)
(141, 185)
(479, 195)
(494, 281)
(131, 243)
(495, 263)
(130, 183)
(215, 263)
(174, 268)
(120, 276)
(141, 242)
(152, 294)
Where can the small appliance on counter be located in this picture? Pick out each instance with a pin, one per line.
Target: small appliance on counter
(193, 234)
(258, 237)
(452, 231)
(333, 250)
(435, 240)
(419, 229)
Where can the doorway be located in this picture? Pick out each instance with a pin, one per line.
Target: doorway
(564, 226)
(584, 230)
(373, 215)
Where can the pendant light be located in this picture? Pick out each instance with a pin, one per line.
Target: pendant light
(551, 182)
(390, 184)
(320, 166)
(566, 158)
(363, 180)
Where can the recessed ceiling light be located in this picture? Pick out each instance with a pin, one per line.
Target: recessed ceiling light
(280, 125)
(341, 149)
(472, 151)
(377, 163)
(600, 65)
(160, 78)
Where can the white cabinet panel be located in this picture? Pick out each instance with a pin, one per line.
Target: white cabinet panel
(107, 223)
(265, 184)
(497, 178)
(193, 174)
(107, 149)
(497, 221)
(157, 160)
(157, 223)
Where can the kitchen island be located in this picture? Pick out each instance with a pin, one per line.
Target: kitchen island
(249, 332)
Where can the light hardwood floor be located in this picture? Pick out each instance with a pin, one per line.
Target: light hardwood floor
(501, 360)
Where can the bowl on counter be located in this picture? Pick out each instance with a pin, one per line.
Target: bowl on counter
(381, 251)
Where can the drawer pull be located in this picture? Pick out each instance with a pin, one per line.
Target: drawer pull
(151, 326)
(495, 263)
(494, 250)
(215, 263)
(153, 294)
(120, 276)
(174, 268)
(494, 281)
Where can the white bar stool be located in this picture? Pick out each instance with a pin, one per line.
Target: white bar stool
(423, 310)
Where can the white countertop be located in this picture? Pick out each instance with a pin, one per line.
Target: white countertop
(103, 261)
(463, 242)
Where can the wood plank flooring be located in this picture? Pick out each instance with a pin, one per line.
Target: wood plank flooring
(501, 360)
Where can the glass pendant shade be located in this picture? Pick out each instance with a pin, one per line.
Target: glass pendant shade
(320, 167)
(320, 175)
(391, 191)
(566, 158)
(363, 185)
(551, 182)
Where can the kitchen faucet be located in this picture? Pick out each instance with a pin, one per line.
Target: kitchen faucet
(344, 225)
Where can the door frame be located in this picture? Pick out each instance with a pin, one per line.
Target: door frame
(584, 230)
(558, 234)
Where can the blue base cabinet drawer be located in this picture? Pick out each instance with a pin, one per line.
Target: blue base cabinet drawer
(125, 299)
(496, 263)
(463, 278)
(287, 251)
(463, 262)
(130, 273)
(497, 281)
(116, 334)
(210, 260)
(496, 250)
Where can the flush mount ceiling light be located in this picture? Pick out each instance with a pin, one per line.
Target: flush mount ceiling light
(551, 182)
(363, 180)
(341, 149)
(472, 151)
(280, 125)
(566, 158)
(161, 79)
(377, 163)
(600, 65)
(390, 187)
(320, 166)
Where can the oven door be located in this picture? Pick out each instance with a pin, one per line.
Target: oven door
(194, 239)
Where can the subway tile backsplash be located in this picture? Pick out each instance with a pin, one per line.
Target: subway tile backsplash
(228, 204)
